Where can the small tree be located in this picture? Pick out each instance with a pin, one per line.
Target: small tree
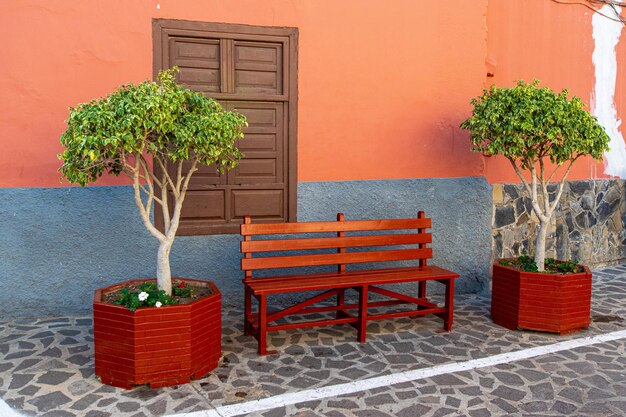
(161, 119)
(529, 125)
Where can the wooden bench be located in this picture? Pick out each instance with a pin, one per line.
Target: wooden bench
(374, 241)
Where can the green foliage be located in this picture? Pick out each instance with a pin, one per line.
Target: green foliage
(562, 266)
(133, 301)
(160, 118)
(528, 123)
(526, 263)
(181, 290)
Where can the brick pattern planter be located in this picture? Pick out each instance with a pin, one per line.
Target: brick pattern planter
(157, 346)
(553, 303)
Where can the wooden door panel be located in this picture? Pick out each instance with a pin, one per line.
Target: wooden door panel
(258, 68)
(204, 205)
(199, 62)
(205, 177)
(262, 169)
(203, 80)
(268, 205)
(262, 145)
(258, 142)
(201, 210)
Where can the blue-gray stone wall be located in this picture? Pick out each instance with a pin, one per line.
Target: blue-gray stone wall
(59, 244)
(588, 225)
(461, 220)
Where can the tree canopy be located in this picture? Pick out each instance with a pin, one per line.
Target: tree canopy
(528, 123)
(161, 118)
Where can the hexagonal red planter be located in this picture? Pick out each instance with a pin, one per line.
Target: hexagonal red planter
(556, 303)
(158, 346)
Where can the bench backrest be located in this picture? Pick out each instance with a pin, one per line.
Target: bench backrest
(415, 235)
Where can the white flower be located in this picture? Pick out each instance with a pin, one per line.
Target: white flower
(158, 304)
(143, 296)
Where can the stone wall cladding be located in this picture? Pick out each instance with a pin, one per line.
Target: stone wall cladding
(459, 208)
(588, 225)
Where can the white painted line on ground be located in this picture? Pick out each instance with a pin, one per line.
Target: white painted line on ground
(6, 411)
(392, 379)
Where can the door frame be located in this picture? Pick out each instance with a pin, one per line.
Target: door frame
(163, 28)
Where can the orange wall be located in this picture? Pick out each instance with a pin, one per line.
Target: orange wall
(382, 89)
(552, 42)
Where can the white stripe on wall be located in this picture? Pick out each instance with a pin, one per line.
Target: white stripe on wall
(606, 34)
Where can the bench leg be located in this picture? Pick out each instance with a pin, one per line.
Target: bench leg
(421, 293)
(362, 330)
(262, 325)
(247, 314)
(341, 301)
(449, 314)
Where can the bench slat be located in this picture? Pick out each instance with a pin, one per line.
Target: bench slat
(248, 264)
(354, 278)
(324, 275)
(334, 242)
(323, 227)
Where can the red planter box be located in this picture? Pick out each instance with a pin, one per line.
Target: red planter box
(158, 346)
(553, 303)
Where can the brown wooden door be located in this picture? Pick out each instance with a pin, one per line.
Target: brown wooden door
(252, 70)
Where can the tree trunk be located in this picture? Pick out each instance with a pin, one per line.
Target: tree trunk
(164, 274)
(540, 247)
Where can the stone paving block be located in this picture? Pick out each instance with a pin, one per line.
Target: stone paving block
(504, 405)
(573, 394)
(158, 407)
(29, 391)
(480, 412)
(380, 399)
(453, 402)
(472, 402)
(58, 413)
(54, 377)
(372, 413)
(563, 407)
(334, 413)
(595, 408)
(276, 412)
(85, 402)
(413, 410)
(49, 401)
(531, 375)
(442, 412)
(405, 395)
(98, 413)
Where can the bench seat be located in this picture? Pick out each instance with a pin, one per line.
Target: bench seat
(323, 281)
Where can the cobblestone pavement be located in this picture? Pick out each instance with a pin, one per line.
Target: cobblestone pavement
(46, 368)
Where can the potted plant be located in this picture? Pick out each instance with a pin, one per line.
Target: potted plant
(147, 335)
(542, 134)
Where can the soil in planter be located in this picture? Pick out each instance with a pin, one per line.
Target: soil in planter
(552, 266)
(197, 292)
